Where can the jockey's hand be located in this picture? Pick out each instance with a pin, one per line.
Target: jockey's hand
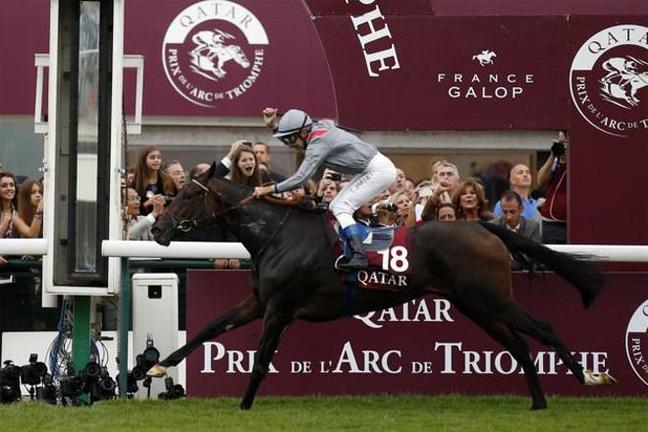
(270, 117)
(260, 191)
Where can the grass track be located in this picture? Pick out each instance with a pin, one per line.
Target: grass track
(370, 413)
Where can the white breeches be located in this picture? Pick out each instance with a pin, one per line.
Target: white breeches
(363, 187)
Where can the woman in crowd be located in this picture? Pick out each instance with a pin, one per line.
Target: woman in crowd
(245, 168)
(11, 224)
(403, 204)
(470, 201)
(139, 227)
(150, 180)
(175, 170)
(30, 205)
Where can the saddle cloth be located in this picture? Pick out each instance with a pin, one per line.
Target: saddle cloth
(389, 255)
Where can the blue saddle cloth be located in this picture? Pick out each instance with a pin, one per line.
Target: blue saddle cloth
(373, 239)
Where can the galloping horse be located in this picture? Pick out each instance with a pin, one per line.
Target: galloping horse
(294, 279)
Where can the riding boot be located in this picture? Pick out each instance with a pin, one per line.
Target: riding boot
(358, 260)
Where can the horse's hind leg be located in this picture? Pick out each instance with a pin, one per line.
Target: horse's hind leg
(519, 350)
(518, 319)
(249, 310)
(273, 327)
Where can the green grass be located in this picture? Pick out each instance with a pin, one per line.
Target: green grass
(370, 413)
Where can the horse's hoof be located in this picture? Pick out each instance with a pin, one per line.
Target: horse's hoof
(157, 371)
(593, 379)
(539, 406)
(245, 405)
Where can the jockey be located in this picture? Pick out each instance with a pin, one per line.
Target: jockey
(325, 144)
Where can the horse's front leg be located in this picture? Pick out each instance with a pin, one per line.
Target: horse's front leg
(249, 310)
(273, 327)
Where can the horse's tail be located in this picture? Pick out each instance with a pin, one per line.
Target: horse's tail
(576, 269)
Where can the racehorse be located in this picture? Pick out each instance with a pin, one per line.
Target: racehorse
(294, 277)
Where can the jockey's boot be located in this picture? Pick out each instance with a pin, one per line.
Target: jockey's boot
(358, 260)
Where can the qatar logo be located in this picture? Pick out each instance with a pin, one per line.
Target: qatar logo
(485, 57)
(637, 342)
(609, 80)
(213, 52)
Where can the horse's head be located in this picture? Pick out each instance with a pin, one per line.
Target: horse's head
(197, 204)
(239, 55)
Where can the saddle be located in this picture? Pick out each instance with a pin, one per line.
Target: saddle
(388, 252)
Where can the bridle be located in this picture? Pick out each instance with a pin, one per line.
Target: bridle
(187, 225)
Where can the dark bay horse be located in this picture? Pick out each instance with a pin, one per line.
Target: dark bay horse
(294, 279)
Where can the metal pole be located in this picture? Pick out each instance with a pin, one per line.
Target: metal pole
(81, 334)
(124, 326)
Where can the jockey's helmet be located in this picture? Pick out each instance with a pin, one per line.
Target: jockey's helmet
(290, 124)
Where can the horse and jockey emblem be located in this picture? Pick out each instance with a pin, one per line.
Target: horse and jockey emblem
(623, 80)
(485, 57)
(211, 52)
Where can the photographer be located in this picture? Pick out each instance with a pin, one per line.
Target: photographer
(553, 177)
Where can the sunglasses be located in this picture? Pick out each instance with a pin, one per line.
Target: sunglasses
(290, 139)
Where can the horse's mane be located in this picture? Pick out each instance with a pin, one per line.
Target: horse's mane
(240, 192)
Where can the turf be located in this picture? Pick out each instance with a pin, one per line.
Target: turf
(370, 413)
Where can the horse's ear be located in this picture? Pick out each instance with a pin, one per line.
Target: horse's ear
(212, 169)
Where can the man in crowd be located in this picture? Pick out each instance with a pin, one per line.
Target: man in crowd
(264, 157)
(512, 218)
(553, 176)
(520, 182)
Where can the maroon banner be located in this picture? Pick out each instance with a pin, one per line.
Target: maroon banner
(461, 73)
(608, 119)
(424, 346)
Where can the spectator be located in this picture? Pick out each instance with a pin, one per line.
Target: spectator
(245, 169)
(553, 177)
(174, 169)
(386, 214)
(470, 201)
(264, 157)
(446, 212)
(439, 198)
(30, 206)
(410, 188)
(513, 219)
(363, 215)
(403, 204)
(445, 175)
(11, 224)
(150, 180)
(327, 191)
(139, 227)
(399, 183)
(7, 207)
(520, 182)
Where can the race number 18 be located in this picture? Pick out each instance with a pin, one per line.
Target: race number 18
(394, 259)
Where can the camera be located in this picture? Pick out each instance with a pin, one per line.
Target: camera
(33, 373)
(9, 383)
(558, 148)
(173, 391)
(168, 199)
(335, 177)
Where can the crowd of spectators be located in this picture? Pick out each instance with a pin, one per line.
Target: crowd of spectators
(443, 196)
(21, 208)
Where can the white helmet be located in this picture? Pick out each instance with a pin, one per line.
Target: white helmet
(293, 121)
